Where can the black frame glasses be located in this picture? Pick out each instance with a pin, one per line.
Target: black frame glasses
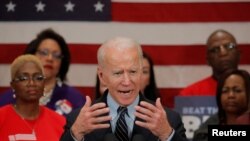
(37, 78)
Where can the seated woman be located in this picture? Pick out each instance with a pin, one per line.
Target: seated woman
(232, 99)
(52, 50)
(26, 119)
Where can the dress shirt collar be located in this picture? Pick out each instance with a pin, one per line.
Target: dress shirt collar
(113, 105)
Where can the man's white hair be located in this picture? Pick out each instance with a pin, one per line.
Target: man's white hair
(118, 43)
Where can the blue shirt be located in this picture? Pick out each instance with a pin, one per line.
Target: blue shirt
(130, 117)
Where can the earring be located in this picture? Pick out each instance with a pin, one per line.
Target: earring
(14, 95)
(44, 90)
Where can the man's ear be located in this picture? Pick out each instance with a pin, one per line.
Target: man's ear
(100, 75)
(207, 59)
(238, 55)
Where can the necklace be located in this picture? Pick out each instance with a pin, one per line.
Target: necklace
(31, 124)
(47, 94)
(46, 98)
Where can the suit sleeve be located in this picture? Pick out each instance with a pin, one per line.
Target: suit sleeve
(66, 136)
(177, 124)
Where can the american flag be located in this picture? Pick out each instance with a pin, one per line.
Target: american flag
(173, 32)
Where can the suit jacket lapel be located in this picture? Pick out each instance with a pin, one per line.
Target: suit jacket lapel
(136, 130)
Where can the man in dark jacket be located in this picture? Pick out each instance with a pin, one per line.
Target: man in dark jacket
(120, 68)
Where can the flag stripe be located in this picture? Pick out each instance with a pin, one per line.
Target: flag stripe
(144, 33)
(162, 55)
(167, 98)
(180, 12)
(170, 79)
(168, 76)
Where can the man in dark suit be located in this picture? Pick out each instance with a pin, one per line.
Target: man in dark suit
(120, 68)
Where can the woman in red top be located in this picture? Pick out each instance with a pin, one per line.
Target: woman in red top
(26, 119)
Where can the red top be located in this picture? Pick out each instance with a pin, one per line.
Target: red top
(205, 87)
(244, 119)
(48, 126)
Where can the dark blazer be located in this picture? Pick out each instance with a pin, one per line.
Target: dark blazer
(98, 135)
(201, 134)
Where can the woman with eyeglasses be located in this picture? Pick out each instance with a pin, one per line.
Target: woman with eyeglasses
(26, 119)
(52, 50)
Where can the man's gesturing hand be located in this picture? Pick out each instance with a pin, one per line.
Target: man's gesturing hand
(154, 118)
(90, 119)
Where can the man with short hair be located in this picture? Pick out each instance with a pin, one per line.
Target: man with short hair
(222, 54)
(120, 68)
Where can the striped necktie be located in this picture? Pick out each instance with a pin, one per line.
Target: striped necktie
(121, 130)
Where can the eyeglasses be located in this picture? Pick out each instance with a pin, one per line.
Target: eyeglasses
(37, 78)
(217, 49)
(46, 52)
